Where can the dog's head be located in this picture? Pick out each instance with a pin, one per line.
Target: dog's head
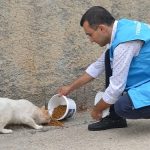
(42, 115)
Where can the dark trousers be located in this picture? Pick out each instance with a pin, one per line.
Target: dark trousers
(124, 107)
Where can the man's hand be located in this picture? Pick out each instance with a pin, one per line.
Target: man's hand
(98, 109)
(64, 90)
(96, 114)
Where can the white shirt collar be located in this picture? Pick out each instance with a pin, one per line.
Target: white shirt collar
(113, 34)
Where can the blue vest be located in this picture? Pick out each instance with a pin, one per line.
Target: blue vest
(138, 80)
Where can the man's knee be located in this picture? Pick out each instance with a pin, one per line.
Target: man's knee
(123, 106)
(119, 109)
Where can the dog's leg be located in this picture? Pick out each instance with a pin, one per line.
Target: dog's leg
(2, 125)
(31, 122)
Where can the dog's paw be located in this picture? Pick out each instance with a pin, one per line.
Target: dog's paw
(38, 127)
(6, 131)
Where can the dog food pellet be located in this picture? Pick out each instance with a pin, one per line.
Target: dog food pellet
(59, 111)
(55, 122)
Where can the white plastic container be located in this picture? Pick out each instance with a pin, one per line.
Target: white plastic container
(97, 99)
(57, 100)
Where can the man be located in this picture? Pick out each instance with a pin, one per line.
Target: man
(126, 63)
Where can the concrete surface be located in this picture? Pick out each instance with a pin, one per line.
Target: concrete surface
(75, 136)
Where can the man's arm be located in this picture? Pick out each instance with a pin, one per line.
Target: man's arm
(82, 80)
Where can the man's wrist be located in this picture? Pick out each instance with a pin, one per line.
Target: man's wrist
(71, 87)
(101, 105)
(97, 109)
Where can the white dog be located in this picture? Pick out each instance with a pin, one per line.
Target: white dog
(21, 112)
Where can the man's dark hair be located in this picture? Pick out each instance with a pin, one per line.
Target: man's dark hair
(97, 15)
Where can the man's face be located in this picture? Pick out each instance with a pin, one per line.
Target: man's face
(98, 35)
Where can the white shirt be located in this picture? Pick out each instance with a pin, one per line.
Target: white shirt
(123, 55)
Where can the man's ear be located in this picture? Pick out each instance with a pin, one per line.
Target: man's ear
(102, 28)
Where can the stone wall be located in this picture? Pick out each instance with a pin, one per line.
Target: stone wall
(42, 46)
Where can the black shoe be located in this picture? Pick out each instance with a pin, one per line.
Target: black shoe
(107, 123)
